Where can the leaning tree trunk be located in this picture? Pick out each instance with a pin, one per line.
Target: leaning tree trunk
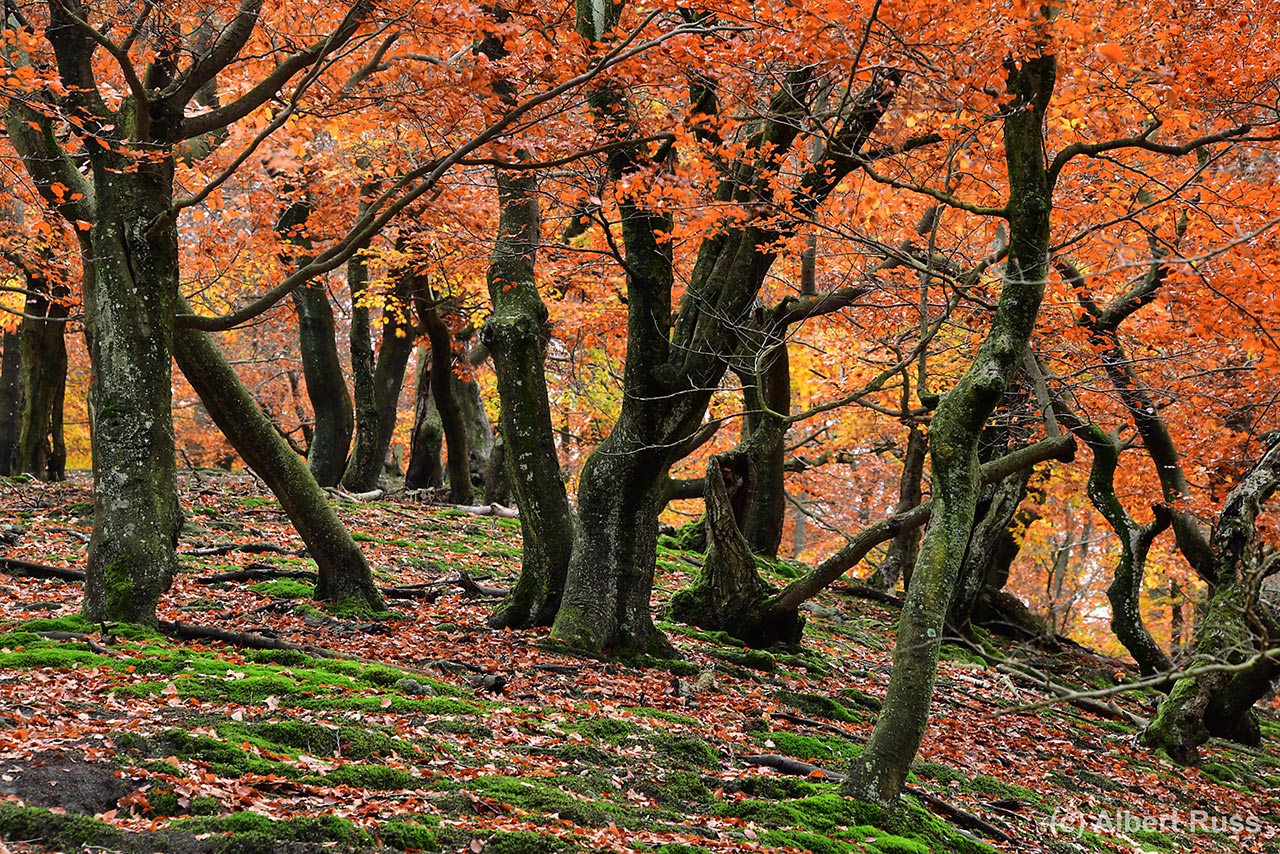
(516, 335)
(129, 312)
(997, 506)
(343, 575)
(1237, 633)
(41, 449)
(326, 384)
(881, 771)
(728, 593)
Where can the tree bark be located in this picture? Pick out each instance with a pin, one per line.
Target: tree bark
(378, 382)
(40, 448)
(1236, 631)
(343, 575)
(129, 326)
(516, 335)
(10, 398)
(879, 774)
(901, 556)
(425, 469)
(766, 513)
(458, 460)
(326, 384)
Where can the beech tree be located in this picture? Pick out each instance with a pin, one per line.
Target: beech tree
(130, 119)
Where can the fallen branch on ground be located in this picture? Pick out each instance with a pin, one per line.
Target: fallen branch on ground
(257, 573)
(486, 510)
(227, 548)
(13, 566)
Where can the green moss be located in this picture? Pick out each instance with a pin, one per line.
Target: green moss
(820, 706)
(612, 730)
(59, 832)
(684, 788)
(683, 751)
(397, 705)
(525, 842)
(778, 788)
(285, 588)
(803, 841)
(999, 789)
(366, 776)
(544, 796)
(1219, 773)
(318, 829)
(417, 834)
(813, 748)
(670, 717)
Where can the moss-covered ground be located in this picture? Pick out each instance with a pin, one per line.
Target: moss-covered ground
(131, 741)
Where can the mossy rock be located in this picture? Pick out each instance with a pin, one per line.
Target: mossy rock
(284, 588)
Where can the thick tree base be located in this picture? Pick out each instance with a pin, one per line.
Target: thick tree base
(749, 620)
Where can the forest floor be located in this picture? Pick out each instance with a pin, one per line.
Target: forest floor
(450, 736)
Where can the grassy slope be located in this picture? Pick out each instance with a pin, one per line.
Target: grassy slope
(237, 751)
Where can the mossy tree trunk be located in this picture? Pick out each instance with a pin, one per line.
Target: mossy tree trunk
(988, 541)
(672, 364)
(326, 384)
(516, 336)
(458, 460)
(40, 448)
(879, 774)
(377, 381)
(1237, 632)
(425, 469)
(765, 392)
(343, 575)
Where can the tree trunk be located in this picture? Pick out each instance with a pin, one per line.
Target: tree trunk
(343, 575)
(425, 469)
(901, 556)
(1236, 631)
(129, 310)
(378, 382)
(10, 398)
(881, 771)
(729, 594)
(516, 335)
(766, 513)
(40, 449)
(458, 461)
(326, 384)
(479, 429)
(989, 537)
